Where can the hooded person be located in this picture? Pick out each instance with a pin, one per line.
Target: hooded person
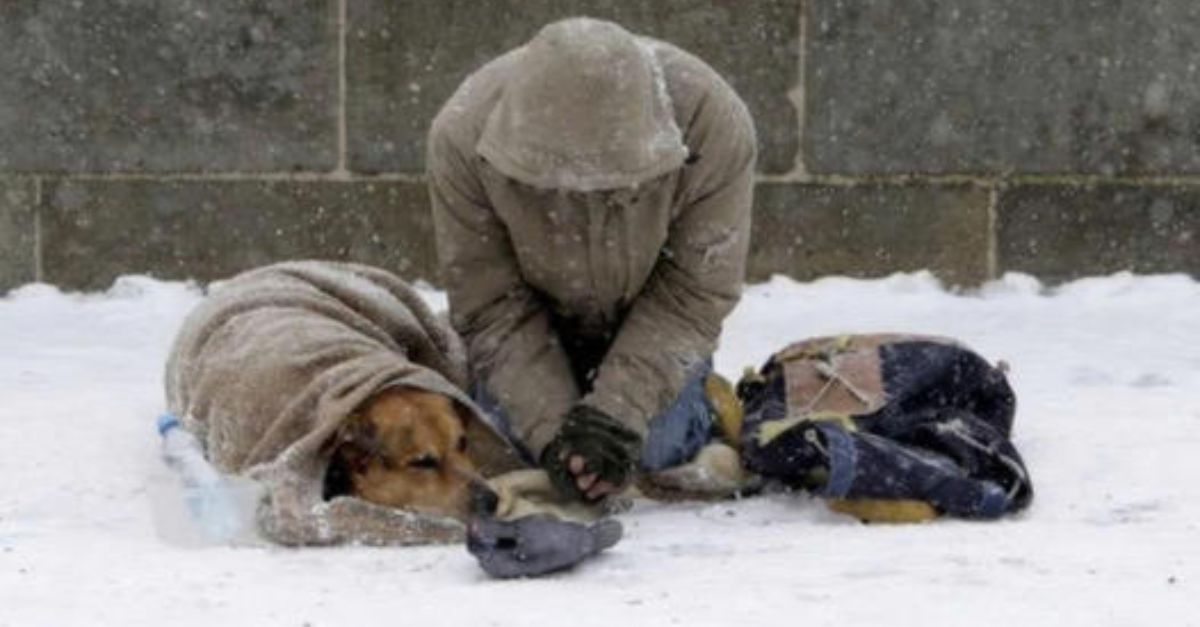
(591, 196)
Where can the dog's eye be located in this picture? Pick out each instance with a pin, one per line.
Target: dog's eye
(462, 444)
(424, 461)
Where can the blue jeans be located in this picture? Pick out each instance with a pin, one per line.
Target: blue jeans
(673, 437)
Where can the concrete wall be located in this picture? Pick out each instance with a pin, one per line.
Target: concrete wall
(195, 139)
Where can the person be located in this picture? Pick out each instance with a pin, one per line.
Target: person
(591, 196)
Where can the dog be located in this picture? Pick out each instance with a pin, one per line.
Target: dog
(337, 389)
(407, 448)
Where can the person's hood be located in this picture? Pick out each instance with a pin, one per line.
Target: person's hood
(584, 108)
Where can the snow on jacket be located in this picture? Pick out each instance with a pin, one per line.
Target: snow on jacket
(267, 368)
(606, 197)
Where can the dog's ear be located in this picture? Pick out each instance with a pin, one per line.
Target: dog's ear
(358, 441)
(354, 445)
(356, 429)
(469, 422)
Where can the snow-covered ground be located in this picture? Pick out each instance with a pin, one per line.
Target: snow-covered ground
(1107, 372)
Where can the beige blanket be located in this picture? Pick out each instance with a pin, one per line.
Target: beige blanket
(266, 369)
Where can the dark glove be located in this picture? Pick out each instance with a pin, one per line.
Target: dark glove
(536, 545)
(609, 449)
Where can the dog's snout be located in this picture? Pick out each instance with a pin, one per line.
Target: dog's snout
(483, 499)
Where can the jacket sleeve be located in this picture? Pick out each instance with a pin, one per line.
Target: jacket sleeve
(673, 326)
(512, 349)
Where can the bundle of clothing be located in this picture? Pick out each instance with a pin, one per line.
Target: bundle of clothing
(886, 427)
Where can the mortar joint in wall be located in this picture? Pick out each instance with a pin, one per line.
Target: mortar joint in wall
(993, 235)
(38, 254)
(998, 181)
(342, 150)
(798, 94)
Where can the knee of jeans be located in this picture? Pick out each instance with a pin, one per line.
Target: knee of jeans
(660, 455)
(499, 420)
(676, 436)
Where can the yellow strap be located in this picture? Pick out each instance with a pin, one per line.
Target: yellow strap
(771, 429)
(841, 418)
(725, 403)
(840, 344)
(881, 511)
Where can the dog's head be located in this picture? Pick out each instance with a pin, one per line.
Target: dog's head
(408, 448)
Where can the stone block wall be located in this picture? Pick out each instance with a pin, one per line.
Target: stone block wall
(191, 139)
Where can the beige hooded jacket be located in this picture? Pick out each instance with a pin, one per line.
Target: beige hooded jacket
(601, 183)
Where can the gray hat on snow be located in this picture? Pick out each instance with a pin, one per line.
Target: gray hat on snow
(585, 108)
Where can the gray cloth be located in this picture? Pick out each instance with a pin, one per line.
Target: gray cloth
(267, 368)
(537, 545)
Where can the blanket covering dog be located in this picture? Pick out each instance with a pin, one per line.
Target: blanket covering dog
(267, 368)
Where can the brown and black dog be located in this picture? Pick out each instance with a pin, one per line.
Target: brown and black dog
(407, 448)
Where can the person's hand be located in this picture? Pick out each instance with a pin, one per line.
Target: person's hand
(592, 456)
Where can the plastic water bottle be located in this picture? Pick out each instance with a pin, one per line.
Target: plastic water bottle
(209, 496)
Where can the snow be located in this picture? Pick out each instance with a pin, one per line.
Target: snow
(1106, 371)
